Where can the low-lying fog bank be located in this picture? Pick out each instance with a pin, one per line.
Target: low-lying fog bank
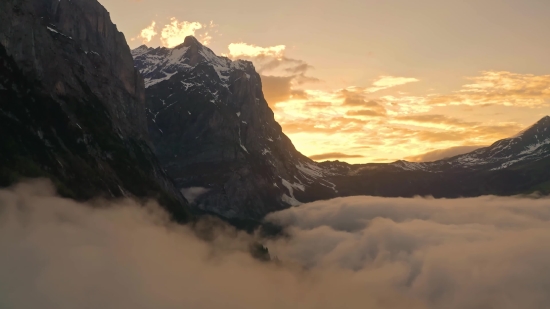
(356, 252)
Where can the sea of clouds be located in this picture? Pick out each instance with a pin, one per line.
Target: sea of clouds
(355, 252)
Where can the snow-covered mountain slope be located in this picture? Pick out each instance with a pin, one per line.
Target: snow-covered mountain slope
(212, 128)
(532, 144)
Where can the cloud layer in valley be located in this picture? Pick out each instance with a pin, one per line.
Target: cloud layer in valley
(357, 252)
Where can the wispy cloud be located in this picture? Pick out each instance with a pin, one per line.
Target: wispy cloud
(385, 82)
(281, 76)
(237, 50)
(333, 155)
(500, 88)
(401, 125)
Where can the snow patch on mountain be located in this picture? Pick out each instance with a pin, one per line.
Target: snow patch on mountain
(530, 144)
(150, 82)
(291, 200)
(410, 166)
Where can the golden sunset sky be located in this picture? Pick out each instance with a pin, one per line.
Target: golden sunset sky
(371, 80)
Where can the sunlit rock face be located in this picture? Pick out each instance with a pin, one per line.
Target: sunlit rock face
(212, 128)
(73, 104)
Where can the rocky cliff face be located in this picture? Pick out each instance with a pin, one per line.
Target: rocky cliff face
(214, 133)
(73, 106)
(71, 45)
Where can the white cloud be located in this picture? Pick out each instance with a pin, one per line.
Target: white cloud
(385, 82)
(501, 88)
(175, 32)
(237, 50)
(148, 33)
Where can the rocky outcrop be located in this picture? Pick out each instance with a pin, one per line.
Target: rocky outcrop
(73, 105)
(212, 129)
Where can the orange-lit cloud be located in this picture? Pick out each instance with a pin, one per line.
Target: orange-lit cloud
(430, 120)
(501, 88)
(367, 128)
(365, 112)
(333, 155)
(175, 32)
(276, 88)
(281, 76)
(148, 33)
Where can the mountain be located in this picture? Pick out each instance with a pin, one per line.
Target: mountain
(72, 105)
(214, 134)
(510, 166)
(78, 107)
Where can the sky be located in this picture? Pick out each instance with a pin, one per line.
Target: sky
(370, 80)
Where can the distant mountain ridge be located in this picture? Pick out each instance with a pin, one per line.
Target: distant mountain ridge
(515, 165)
(531, 144)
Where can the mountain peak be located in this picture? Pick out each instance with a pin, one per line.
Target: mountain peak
(190, 41)
(543, 123)
(138, 51)
(544, 120)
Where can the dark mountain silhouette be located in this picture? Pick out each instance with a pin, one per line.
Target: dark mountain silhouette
(72, 105)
